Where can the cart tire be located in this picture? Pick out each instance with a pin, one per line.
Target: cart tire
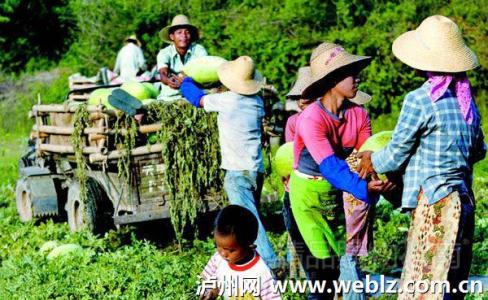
(82, 214)
(23, 200)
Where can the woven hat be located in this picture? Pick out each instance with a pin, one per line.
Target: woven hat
(240, 76)
(133, 38)
(436, 45)
(361, 98)
(326, 62)
(303, 80)
(179, 21)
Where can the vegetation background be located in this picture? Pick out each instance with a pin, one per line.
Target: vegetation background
(43, 42)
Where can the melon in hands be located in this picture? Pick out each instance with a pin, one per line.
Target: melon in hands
(375, 143)
(283, 160)
(204, 69)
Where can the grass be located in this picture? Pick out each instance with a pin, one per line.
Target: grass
(122, 265)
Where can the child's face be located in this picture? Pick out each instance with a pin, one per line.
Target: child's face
(181, 37)
(229, 249)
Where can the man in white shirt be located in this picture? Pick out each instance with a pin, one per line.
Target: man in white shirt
(130, 60)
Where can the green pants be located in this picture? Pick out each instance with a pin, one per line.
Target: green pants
(318, 212)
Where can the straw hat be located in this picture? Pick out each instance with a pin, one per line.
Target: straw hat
(361, 98)
(436, 45)
(326, 62)
(303, 80)
(179, 21)
(241, 76)
(133, 38)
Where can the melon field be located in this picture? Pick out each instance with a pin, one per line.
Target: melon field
(147, 261)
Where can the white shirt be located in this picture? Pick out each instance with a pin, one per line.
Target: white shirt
(240, 124)
(130, 60)
(251, 279)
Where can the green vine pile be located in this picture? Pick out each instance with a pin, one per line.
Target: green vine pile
(78, 139)
(192, 155)
(125, 142)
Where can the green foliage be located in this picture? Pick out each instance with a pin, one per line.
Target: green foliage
(33, 33)
(189, 136)
(80, 121)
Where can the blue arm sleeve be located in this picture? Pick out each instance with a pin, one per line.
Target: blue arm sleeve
(337, 172)
(191, 91)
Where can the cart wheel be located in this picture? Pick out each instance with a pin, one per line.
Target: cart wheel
(82, 214)
(23, 200)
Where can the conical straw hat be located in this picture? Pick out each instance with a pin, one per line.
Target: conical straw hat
(240, 76)
(303, 80)
(437, 46)
(326, 62)
(179, 21)
(134, 38)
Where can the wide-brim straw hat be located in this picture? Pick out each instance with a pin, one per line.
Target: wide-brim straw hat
(179, 21)
(304, 79)
(133, 38)
(437, 46)
(240, 76)
(361, 98)
(326, 62)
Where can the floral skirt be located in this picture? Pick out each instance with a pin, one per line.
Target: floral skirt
(430, 246)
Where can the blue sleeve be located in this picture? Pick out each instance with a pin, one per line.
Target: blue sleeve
(191, 91)
(337, 172)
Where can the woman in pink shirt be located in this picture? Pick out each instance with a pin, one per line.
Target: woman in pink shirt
(327, 131)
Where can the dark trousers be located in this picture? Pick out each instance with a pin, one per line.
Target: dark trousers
(463, 250)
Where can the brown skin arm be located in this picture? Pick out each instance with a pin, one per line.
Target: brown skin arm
(170, 80)
(365, 167)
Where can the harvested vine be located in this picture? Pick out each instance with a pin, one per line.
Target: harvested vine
(192, 155)
(78, 139)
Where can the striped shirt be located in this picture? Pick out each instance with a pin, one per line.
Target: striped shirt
(434, 145)
(255, 277)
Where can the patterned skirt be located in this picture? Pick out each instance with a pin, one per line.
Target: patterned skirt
(430, 246)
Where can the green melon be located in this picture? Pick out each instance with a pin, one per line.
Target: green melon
(153, 91)
(48, 246)
(204, 69)
(375, 143)
(283, 160)
(101, 96)
(137, 89)
(64, 250)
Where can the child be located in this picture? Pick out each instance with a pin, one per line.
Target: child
(236, 268)
(181, 34)
(240, 115)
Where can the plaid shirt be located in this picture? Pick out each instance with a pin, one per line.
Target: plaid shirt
(434, 145)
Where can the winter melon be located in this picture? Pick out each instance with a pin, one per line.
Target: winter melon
(100, 96)
(204, 69)
(48, 246)
(152, 90)
(376, 142)
(283, 160)
(64, 250)
(137, 89)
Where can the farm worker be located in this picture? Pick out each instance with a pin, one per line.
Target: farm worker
(236, 259)
(358, 214)
(295, 94)
(182, 36)
(240, 115)
(327, 131)
(436, 142)
(130, 60)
